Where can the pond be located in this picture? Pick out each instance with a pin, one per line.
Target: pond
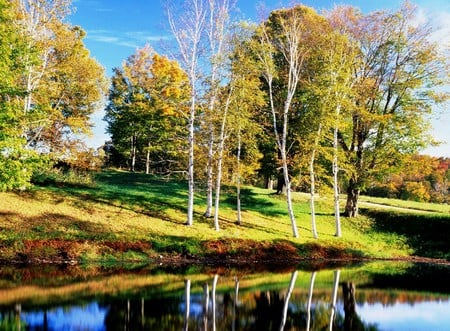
(370, 296)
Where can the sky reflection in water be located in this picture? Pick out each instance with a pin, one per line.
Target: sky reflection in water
(417, 298)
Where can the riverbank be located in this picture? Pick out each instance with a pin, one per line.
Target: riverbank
(136, 218)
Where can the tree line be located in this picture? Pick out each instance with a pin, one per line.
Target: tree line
(324, 102)
(320, 101)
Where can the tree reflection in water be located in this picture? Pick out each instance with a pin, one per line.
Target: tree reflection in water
(317, 300)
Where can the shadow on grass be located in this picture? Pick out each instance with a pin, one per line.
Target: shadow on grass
(138, 192)
(427, 234)
(250, 201)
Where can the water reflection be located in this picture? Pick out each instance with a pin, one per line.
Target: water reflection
(337, 299)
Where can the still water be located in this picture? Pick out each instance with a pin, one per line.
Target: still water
(372, 296)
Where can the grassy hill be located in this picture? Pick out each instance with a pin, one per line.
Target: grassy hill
(136, 217)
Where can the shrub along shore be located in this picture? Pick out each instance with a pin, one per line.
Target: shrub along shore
(130, 217)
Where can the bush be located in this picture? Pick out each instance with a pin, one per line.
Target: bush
(415, 191)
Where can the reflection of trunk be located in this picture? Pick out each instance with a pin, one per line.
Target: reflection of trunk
(142, 314)
(18, 315)
(213, 294)
(308, 308)
(334, 297)
(205, 306)
(348, 290)
(351, 207)
(127, 317)
(286, 300)
(45, 321)
(236, 298)
(187, 303)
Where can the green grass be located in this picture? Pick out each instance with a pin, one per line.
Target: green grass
(414, 205)
(133, 217)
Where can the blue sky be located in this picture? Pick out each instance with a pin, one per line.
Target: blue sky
(115, 28)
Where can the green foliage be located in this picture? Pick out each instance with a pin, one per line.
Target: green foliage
(145, 111)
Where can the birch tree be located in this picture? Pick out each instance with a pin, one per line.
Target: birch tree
(285, 42)
(218, 36)
(188, 26)
(331, 88)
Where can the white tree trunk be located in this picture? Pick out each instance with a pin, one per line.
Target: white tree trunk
(209, 175)
(222, 138)
(235, 303)
(147, 159)
(191, 18)
(213, 295)
(286, 300)
(187, 304)
(190, 212)
(132, 152)
(334, 297)
(310, 295)
(205, 306)
(313, 182)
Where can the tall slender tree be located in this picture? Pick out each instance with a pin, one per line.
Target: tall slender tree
(218, 36)
(188, 26)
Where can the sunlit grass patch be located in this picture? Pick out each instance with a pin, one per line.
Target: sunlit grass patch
(132, 207)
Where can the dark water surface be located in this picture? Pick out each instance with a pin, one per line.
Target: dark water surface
(372, 296)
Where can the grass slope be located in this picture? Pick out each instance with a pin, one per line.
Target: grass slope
(136, 217)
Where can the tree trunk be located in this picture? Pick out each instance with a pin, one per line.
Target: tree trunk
(351, 207)
(238, 180)
(132, 153)
(209, 175)
(222, 138)
(190, 211)
(311, 201)
(337, 215)
(289, 199)
(218, 183)
(147, 159)
(313, 183)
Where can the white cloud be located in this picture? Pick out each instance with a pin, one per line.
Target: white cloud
(131, 39)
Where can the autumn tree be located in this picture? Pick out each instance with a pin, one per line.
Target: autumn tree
(247, 98)
(16, 162)
(63, 84)
(146, 107)
(396, 85)
(329, 91)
